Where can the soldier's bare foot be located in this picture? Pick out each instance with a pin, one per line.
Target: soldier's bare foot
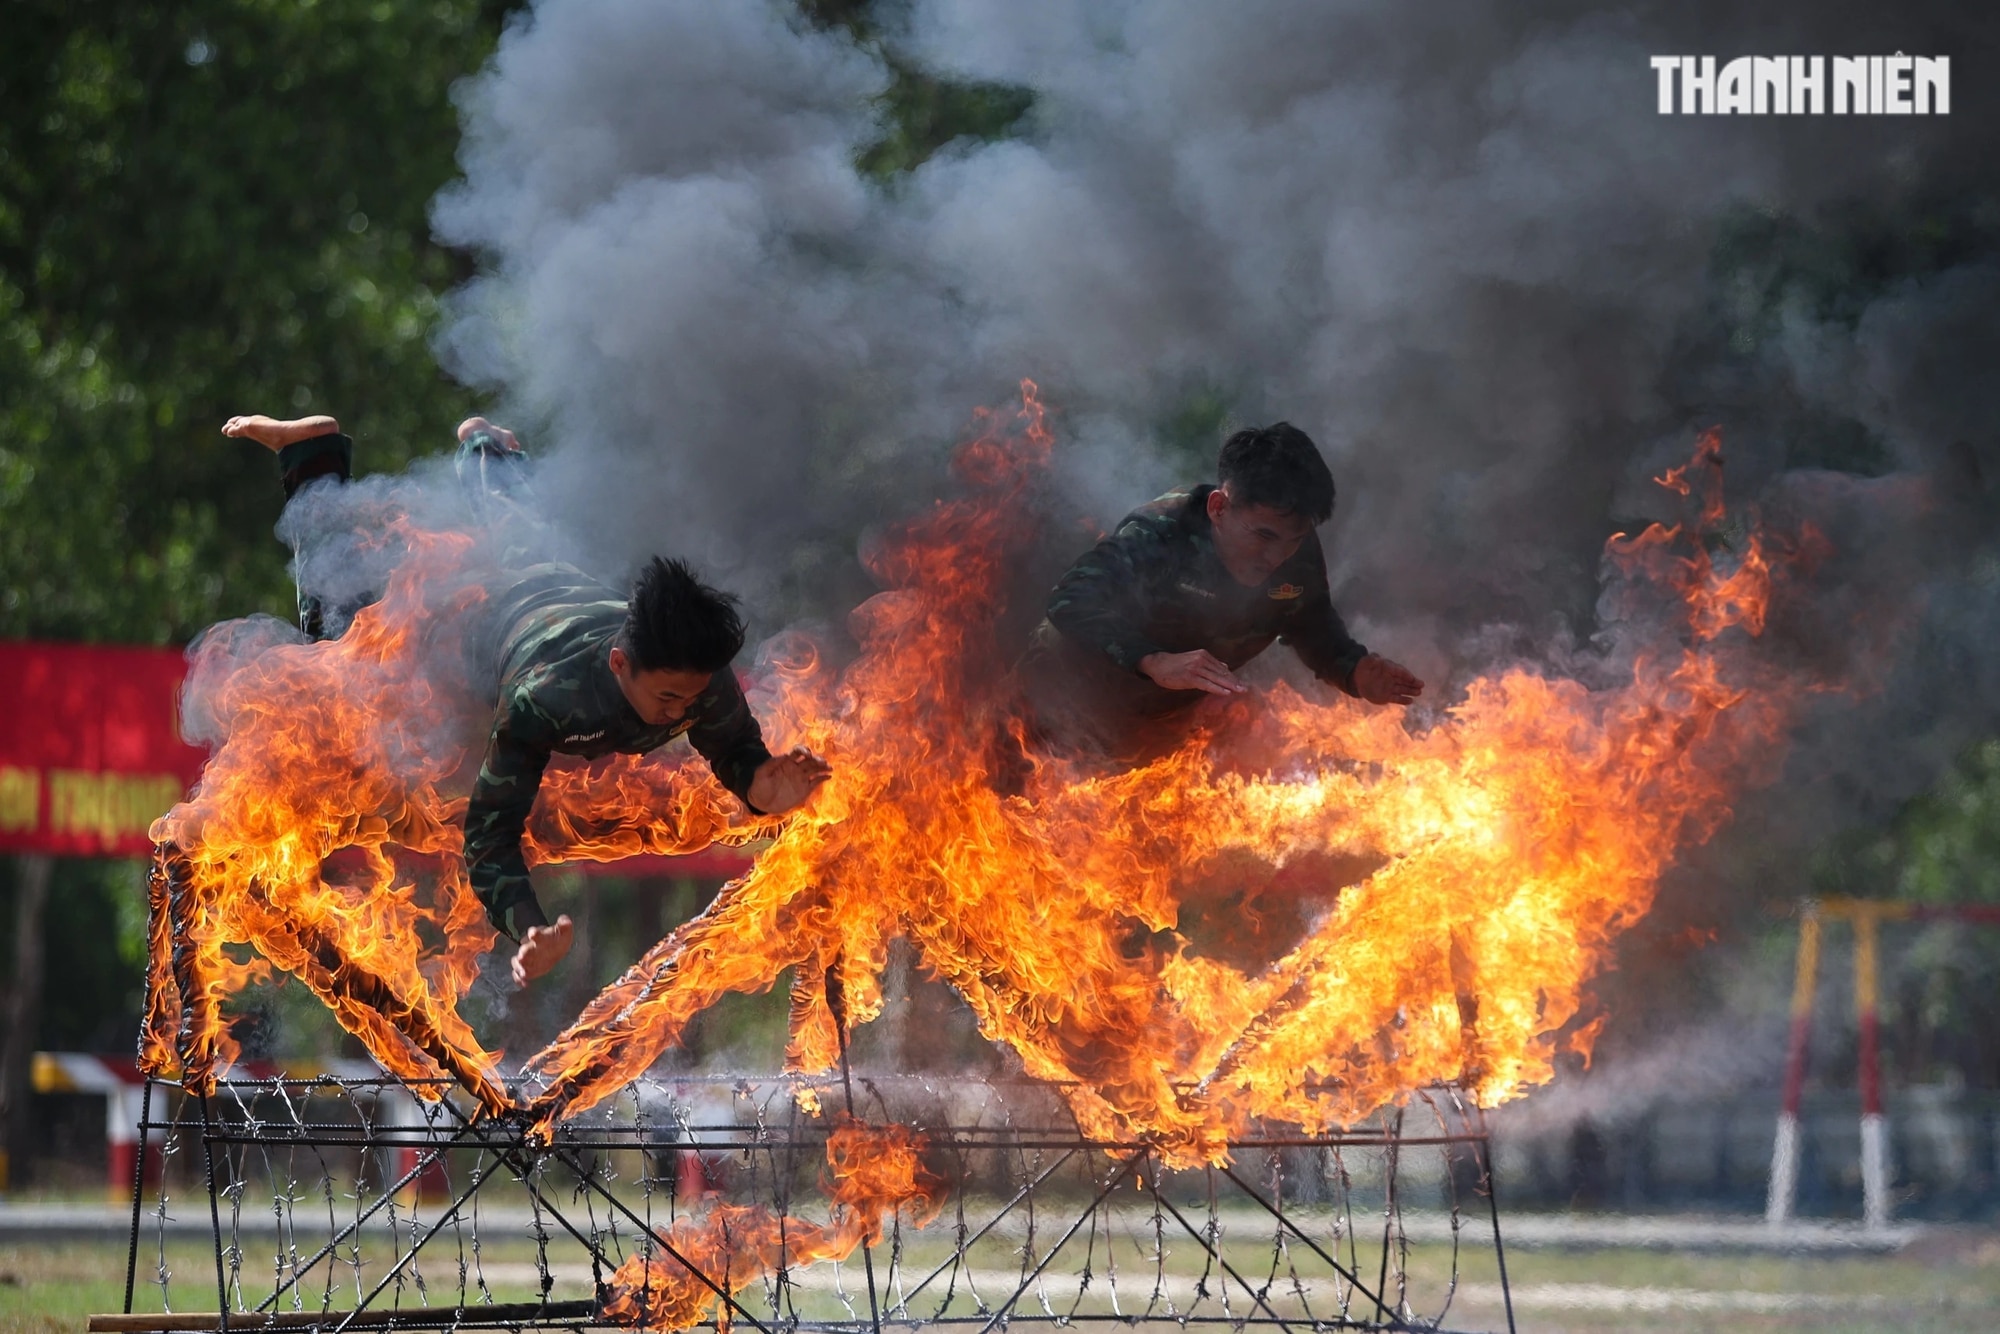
(470, 425)
(273, 434)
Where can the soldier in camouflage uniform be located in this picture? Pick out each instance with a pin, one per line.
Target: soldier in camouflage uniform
(1162, 613)
(585, 672)
(577, 669)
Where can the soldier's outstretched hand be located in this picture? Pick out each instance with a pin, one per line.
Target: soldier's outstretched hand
(1199, 670)
(783, 782)
(542, 948)
(273, 434)
(1380, 681)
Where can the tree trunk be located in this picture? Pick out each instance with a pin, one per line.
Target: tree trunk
(23, 1014)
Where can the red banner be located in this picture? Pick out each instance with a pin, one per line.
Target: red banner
(90, 747)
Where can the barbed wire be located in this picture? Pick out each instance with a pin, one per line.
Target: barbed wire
(342, 1204)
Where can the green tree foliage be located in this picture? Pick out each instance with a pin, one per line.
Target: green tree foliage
(1949, 839)
(919, 112)
(922, 114)
(208, 208)
(1943, 847)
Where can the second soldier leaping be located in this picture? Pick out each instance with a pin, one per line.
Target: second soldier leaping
(1162, 613)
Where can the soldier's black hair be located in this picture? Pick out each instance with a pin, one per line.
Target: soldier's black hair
(677, 623)
(1277, 466)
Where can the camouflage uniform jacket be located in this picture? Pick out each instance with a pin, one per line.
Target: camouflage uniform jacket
(557, 695)
(1156, 585)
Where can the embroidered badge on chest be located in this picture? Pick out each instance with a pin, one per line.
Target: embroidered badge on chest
(1286, 592)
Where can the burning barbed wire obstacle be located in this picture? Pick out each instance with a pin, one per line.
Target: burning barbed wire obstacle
(1511, 840)
(353, 1203)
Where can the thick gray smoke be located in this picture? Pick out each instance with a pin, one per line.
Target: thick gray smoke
(1456, 243)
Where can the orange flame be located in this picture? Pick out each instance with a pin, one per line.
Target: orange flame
(1511, 841)
(325, 751)
(875, 1171)
(1517, 837)
(1714, 601)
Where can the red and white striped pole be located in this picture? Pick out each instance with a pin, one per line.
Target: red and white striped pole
(1874, 1130)
(121, 1140)
(1785, 1151)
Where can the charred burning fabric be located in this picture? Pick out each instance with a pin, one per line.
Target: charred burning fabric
(1510, 841)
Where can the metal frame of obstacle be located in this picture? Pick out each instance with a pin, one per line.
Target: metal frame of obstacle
(338, 1204)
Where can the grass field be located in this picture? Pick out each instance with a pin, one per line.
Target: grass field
(1949, 1280)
